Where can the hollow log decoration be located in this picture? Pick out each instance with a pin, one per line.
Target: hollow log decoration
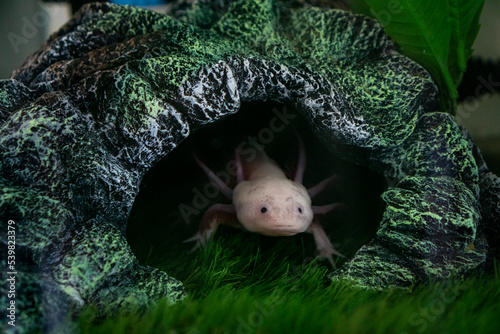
(118, 87)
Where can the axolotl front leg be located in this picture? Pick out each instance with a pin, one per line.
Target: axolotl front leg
(268, 203)
(215, 215)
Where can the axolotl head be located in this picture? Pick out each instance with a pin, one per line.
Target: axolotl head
(279, 207)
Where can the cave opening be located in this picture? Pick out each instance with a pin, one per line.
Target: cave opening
(175, 193)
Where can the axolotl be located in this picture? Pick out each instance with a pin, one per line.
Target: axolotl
(265, 201)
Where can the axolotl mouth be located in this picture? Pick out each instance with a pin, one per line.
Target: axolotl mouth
(281, 231)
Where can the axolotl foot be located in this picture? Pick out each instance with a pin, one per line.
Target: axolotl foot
(201, 240)
(323, 244)
(215, 215)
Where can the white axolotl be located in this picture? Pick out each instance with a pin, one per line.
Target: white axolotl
(265, 201)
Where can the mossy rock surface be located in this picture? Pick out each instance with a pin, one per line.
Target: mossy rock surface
(118, 88)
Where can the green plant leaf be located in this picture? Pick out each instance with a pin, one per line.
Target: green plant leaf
(436, 34)
(465, 17)
(360, 7)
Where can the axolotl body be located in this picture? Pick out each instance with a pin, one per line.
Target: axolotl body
(265, 201)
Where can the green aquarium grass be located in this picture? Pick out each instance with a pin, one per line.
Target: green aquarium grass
(245, 283)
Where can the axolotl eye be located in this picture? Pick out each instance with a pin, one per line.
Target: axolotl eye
(263, 209)
(299, 209)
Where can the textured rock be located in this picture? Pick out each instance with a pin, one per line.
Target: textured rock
(117, 88)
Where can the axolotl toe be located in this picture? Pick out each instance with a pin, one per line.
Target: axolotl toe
(265, 201)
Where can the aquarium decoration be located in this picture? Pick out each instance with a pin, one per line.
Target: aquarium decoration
(118, 87)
